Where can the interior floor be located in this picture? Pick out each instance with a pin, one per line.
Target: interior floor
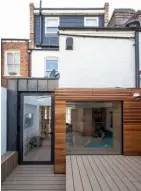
(78, 144)
(41, 153)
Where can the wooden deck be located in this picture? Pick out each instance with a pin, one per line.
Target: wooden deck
(103, 173)
(34, 177)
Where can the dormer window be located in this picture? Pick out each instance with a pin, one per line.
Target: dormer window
(51, 25)
(91, 22)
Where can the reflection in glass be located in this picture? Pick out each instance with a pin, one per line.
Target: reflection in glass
(37, 128)
(93, 127)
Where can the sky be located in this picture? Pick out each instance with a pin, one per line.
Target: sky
(14, 14)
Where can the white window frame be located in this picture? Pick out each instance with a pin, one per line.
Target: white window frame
(50, 58)
(5, 62)
(85, 21)
(46, 21)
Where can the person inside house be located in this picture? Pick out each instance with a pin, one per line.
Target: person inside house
(100, 133)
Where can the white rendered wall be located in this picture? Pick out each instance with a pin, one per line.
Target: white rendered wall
(3, 120)
(97, 62)
(38, 61)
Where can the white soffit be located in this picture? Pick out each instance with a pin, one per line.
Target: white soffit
(97, 32)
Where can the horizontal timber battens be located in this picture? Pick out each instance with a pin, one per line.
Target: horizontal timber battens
(131, 117)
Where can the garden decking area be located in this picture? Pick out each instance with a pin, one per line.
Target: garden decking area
(34, 177)
(83, 173)
(103, 173)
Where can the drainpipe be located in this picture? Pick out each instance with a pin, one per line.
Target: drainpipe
(29, 60)
(137, 61)
(40, 13)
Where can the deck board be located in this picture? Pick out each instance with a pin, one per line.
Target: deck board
(76, 175)
(131, 160)
(103, 173)
(130, 164)
(85, 179)
(106, 175)
(120, 172)
(94, 182)
(69, 178)
(34, 177)
(113, 174)
(128, 169)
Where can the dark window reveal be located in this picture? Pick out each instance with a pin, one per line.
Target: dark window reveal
(69, 43)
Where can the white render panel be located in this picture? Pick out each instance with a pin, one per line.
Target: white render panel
(38, 61)
(97, 62)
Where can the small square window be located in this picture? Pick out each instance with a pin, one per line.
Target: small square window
(91, 22)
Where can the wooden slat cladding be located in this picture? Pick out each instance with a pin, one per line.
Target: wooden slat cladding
(131, 117)
(60, 136)
(132, 127)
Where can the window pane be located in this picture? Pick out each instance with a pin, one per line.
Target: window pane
(14, 68)
(9, 58)
(16, 58)
(52, 22)
(51, 64)
(51, 29)
(91, 22)
(48, 73)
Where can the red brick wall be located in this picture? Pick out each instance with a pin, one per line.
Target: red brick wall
(22, 47)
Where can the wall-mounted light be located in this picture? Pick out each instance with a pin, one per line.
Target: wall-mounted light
(137, 96)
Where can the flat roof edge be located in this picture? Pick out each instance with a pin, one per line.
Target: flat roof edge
(99, 28)
(71, 8)
(14, 39)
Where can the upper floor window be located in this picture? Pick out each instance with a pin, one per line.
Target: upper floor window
(51, 25)
(91, 22)
(51, 67)
(12, 63)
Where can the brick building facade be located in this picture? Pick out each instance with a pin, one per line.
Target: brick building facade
(121, 16)
(10, 46)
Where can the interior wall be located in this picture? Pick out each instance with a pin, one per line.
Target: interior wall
(117, 126)
(32, 130)
(74, 120)
(108, 110)
(80, 118)
(87, 122)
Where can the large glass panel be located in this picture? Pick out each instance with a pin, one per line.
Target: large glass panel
(94, 127)
(37, 128)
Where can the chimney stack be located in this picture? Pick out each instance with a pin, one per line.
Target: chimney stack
(31, 7)
(106, 14)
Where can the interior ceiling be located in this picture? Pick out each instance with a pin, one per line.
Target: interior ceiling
(89, 104)
(42, 97)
